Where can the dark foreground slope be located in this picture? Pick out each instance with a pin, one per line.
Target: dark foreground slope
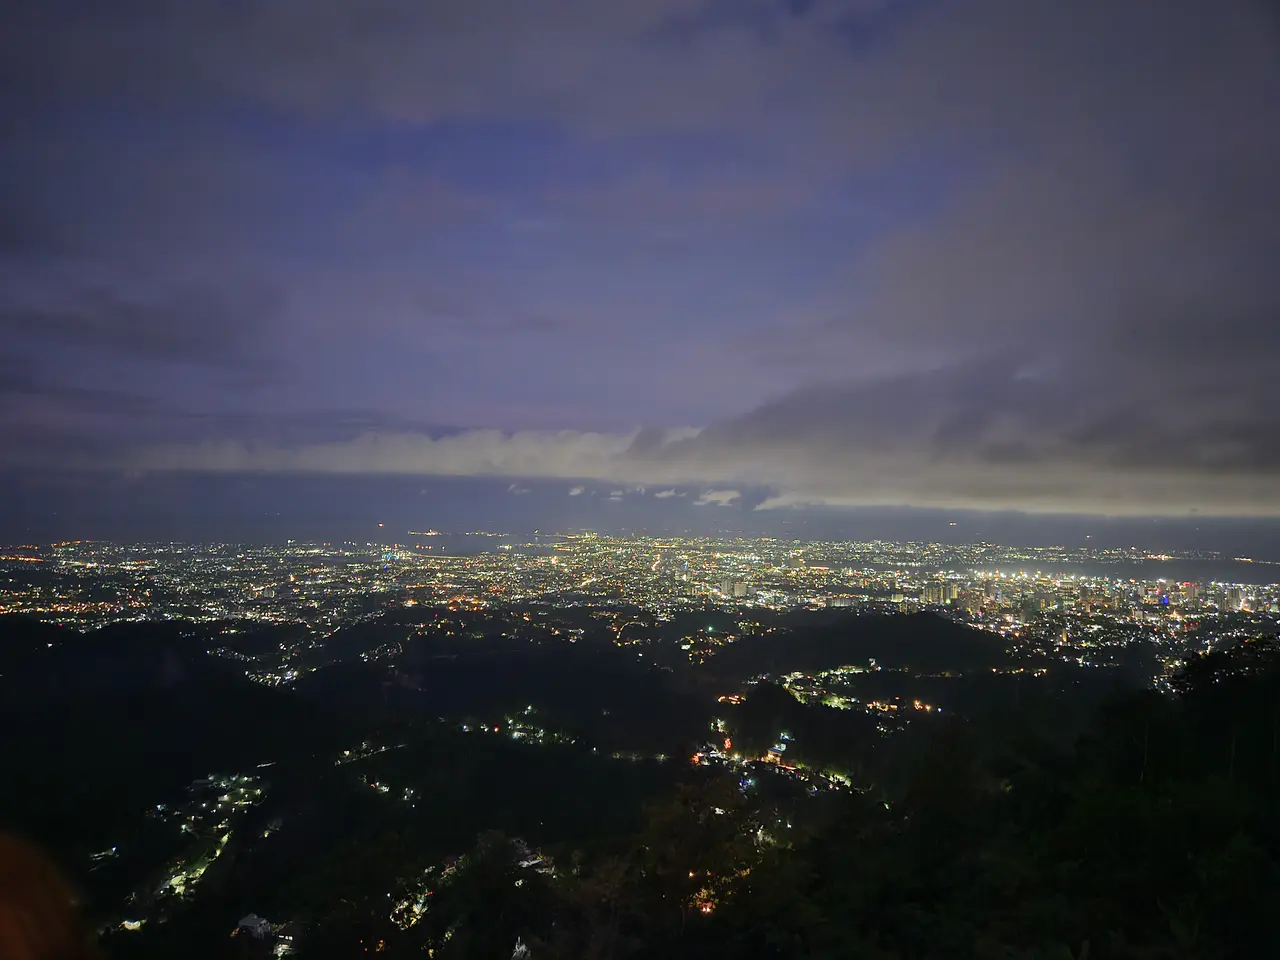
(374, 805)
(1154, 836)
(920, 643)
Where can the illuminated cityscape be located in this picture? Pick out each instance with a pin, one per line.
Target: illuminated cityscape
(779, 664)
(1078, 599)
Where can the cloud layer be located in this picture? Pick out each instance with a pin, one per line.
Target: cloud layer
(1006, 254)
(987, 437)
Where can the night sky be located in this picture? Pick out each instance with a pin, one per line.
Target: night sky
(768, 257)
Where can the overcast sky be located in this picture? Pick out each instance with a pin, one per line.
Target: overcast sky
(986, 254)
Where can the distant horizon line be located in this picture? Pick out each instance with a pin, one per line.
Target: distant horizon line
(1133, 552)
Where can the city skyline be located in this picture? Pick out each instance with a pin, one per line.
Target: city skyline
(791, 259)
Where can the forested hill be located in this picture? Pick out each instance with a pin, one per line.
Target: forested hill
(1155, 836)
(501, 785)
(922, 643)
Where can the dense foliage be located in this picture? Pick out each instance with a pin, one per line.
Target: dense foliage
(1045, 822)
(1153, 837)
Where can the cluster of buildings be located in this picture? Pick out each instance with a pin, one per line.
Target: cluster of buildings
(86, 584)
(1080, 600)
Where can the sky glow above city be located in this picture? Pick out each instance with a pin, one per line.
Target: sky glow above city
(983, 255)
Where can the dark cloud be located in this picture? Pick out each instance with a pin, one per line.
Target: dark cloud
(988, 436)
(666, 65)
(196, 325)
(46, 422)
(20, 381)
